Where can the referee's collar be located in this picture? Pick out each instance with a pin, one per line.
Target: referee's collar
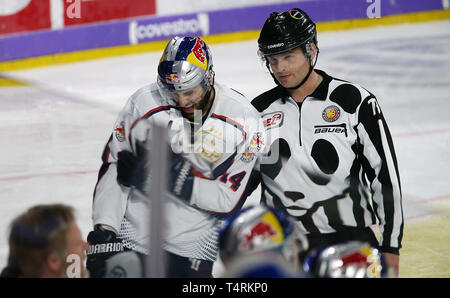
(321, 91)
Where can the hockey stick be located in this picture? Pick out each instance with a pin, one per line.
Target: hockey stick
(157, 189)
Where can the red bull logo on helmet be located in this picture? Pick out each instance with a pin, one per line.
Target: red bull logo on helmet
(198, 55)
(365, 257)
(267, 232)
(172, 79)
(198, 51)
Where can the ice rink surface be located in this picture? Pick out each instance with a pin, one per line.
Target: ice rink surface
(53, 130)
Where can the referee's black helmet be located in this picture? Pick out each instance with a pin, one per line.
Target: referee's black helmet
(286, 31)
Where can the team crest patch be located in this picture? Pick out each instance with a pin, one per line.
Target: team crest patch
(198, 56)
(119, 132)
(256, 143)
(331, 113)
(210, 144)
(247, 156)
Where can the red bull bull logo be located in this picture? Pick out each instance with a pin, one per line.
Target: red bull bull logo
(355, 258)
(262, 231)
(247, 156)
(172, 79)
(364, 258)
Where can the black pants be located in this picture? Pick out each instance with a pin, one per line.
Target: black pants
(183, 267)
(344, 235)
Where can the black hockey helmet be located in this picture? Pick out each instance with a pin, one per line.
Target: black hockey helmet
(286, 31)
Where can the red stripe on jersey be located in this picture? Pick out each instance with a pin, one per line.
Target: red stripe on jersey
(148, 115)
(155, 110)
(198, 174)
(238, 92)
(231, 121)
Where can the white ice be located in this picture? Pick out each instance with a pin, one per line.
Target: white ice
(53, 133)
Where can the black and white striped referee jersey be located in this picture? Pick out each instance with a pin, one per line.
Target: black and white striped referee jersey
(332, 162)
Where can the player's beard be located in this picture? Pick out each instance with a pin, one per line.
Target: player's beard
(200, 106)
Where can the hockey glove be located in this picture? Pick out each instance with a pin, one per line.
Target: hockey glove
(132, 171)
(181, 178)
(103, 244)
(132, 168)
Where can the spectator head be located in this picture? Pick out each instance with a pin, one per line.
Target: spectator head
(44, 241)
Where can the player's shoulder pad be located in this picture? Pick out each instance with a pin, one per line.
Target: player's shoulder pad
(142, 91)
(347, 95)
(147, 93)
(233, 102)
(264, 100)
(146, 99)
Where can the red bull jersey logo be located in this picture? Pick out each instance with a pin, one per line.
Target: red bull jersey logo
(247, 156)
(120, 132)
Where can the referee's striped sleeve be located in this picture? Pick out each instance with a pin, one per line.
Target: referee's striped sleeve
(385, 184)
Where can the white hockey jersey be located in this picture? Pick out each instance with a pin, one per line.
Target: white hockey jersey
(223, 155)
(333, 163)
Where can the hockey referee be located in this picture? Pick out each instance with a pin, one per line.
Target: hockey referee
(335, 168)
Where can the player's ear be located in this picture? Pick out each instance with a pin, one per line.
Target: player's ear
(313, 52)
(54, 262)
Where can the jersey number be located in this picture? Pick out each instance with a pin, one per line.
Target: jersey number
(235, 179)
(375, 107)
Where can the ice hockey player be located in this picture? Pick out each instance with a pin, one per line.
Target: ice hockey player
(261, 240)
(214, 134)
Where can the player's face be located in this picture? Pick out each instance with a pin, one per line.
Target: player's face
(289, 68)
(190, 100)
(76, 246)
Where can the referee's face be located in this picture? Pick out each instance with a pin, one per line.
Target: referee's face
(289, 68)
